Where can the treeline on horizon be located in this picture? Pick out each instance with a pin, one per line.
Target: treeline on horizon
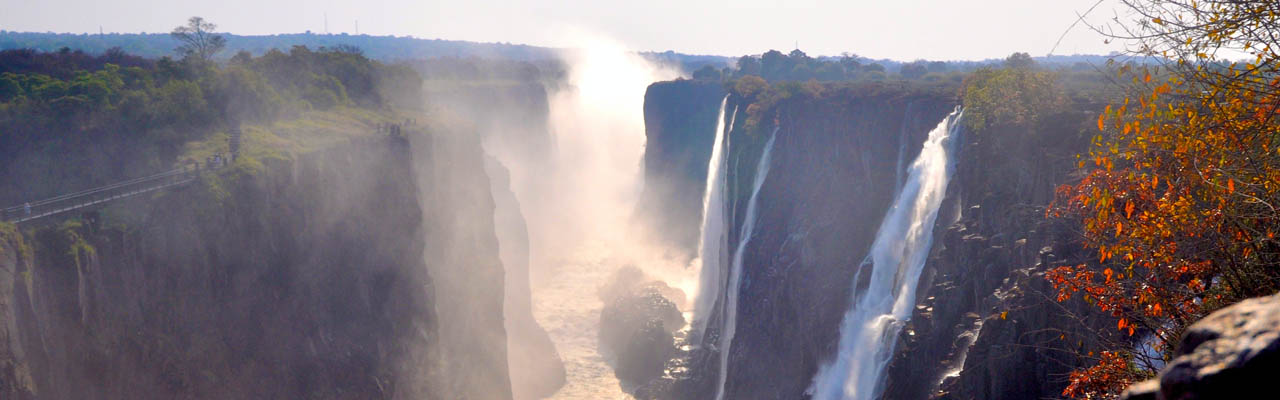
(383, 48)
(776, 66)
(71, 120)
(406, 48)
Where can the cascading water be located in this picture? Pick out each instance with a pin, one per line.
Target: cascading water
(711, 249)
(735, 272)
(870, 327)
(902, 152)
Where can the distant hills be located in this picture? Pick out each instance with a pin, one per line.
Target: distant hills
(395, 48)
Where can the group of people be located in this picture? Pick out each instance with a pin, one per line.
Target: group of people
(216, 161)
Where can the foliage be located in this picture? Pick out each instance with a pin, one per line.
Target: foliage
(1179, 201)
(749, 86)
(70, 120)
(198, 39)
(1017, 94)
(707, 73)
(774, 66)
(764, 100)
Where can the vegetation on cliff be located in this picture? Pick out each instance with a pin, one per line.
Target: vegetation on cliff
(1179, 200)
(70, 120)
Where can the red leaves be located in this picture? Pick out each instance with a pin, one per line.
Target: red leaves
(1111, 374)
(1175, 234)
(1125, 324)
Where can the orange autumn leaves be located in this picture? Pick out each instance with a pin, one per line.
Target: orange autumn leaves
(1108, 376)
(1182, 186)
(1179, 203)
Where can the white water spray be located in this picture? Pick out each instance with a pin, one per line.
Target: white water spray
(711, 246)
(735, 273)
(870, 327)
(578, 201)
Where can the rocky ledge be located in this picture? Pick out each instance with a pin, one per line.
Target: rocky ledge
(1230, 354)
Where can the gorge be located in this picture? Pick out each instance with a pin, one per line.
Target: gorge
(788, 198)
(590, 222)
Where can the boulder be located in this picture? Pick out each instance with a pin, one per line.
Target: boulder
(1228, 355)
(637, 325)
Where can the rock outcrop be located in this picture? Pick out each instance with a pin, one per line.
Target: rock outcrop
(984, 311)
(1230, 354)
(536, 368)
(680, 123)
(344, 273)
(637, 325)
(983, 308)
(834, 169)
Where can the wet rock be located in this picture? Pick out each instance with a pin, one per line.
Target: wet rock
(1227, 355)
(637, 326)
(1146, 390)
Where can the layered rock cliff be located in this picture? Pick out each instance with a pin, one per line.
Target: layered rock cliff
(352, 272)
(680, 123)
(984, 326)
(835, 167)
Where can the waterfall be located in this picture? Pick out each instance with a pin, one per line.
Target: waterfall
(735, 272)
(711, 249)
(870, 327)
(902, 150)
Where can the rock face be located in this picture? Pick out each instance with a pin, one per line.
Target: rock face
(511, 120)
(16, 381)
(535, 366)
(836, 165)
(993, 245)
(341, 274)
(834, 169)
(636, 325)
(1230, 354)
(462, 255)
(680, 123)
(992, 248)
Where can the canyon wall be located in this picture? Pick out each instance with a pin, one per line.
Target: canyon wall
(984, 320)
(680, 123)
(986, 324)
(833, 173)
(351, 272)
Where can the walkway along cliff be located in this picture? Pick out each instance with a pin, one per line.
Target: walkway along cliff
(348, 272)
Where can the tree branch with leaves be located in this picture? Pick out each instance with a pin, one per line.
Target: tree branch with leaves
(1183, 180)
(198, 39)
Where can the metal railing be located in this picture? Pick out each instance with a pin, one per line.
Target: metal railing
(86, 198)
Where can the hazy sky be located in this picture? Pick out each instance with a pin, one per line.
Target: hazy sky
(899, 29)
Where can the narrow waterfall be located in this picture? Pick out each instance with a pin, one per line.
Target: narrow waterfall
(870, 327)
(735, 272)
(711, 246)
(902, 150)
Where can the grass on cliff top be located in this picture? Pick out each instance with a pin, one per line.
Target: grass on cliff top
(11, 239)
(287, 138)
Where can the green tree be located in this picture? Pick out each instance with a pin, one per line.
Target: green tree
(1019, 60)
(1010, 96)
(198, 39)
(914, 70)
(707, 73)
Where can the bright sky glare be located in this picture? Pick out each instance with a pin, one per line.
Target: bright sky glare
(897, 29)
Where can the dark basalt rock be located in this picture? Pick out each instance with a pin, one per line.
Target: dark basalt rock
(637, 326)
(680, 123)
(1230, 354)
